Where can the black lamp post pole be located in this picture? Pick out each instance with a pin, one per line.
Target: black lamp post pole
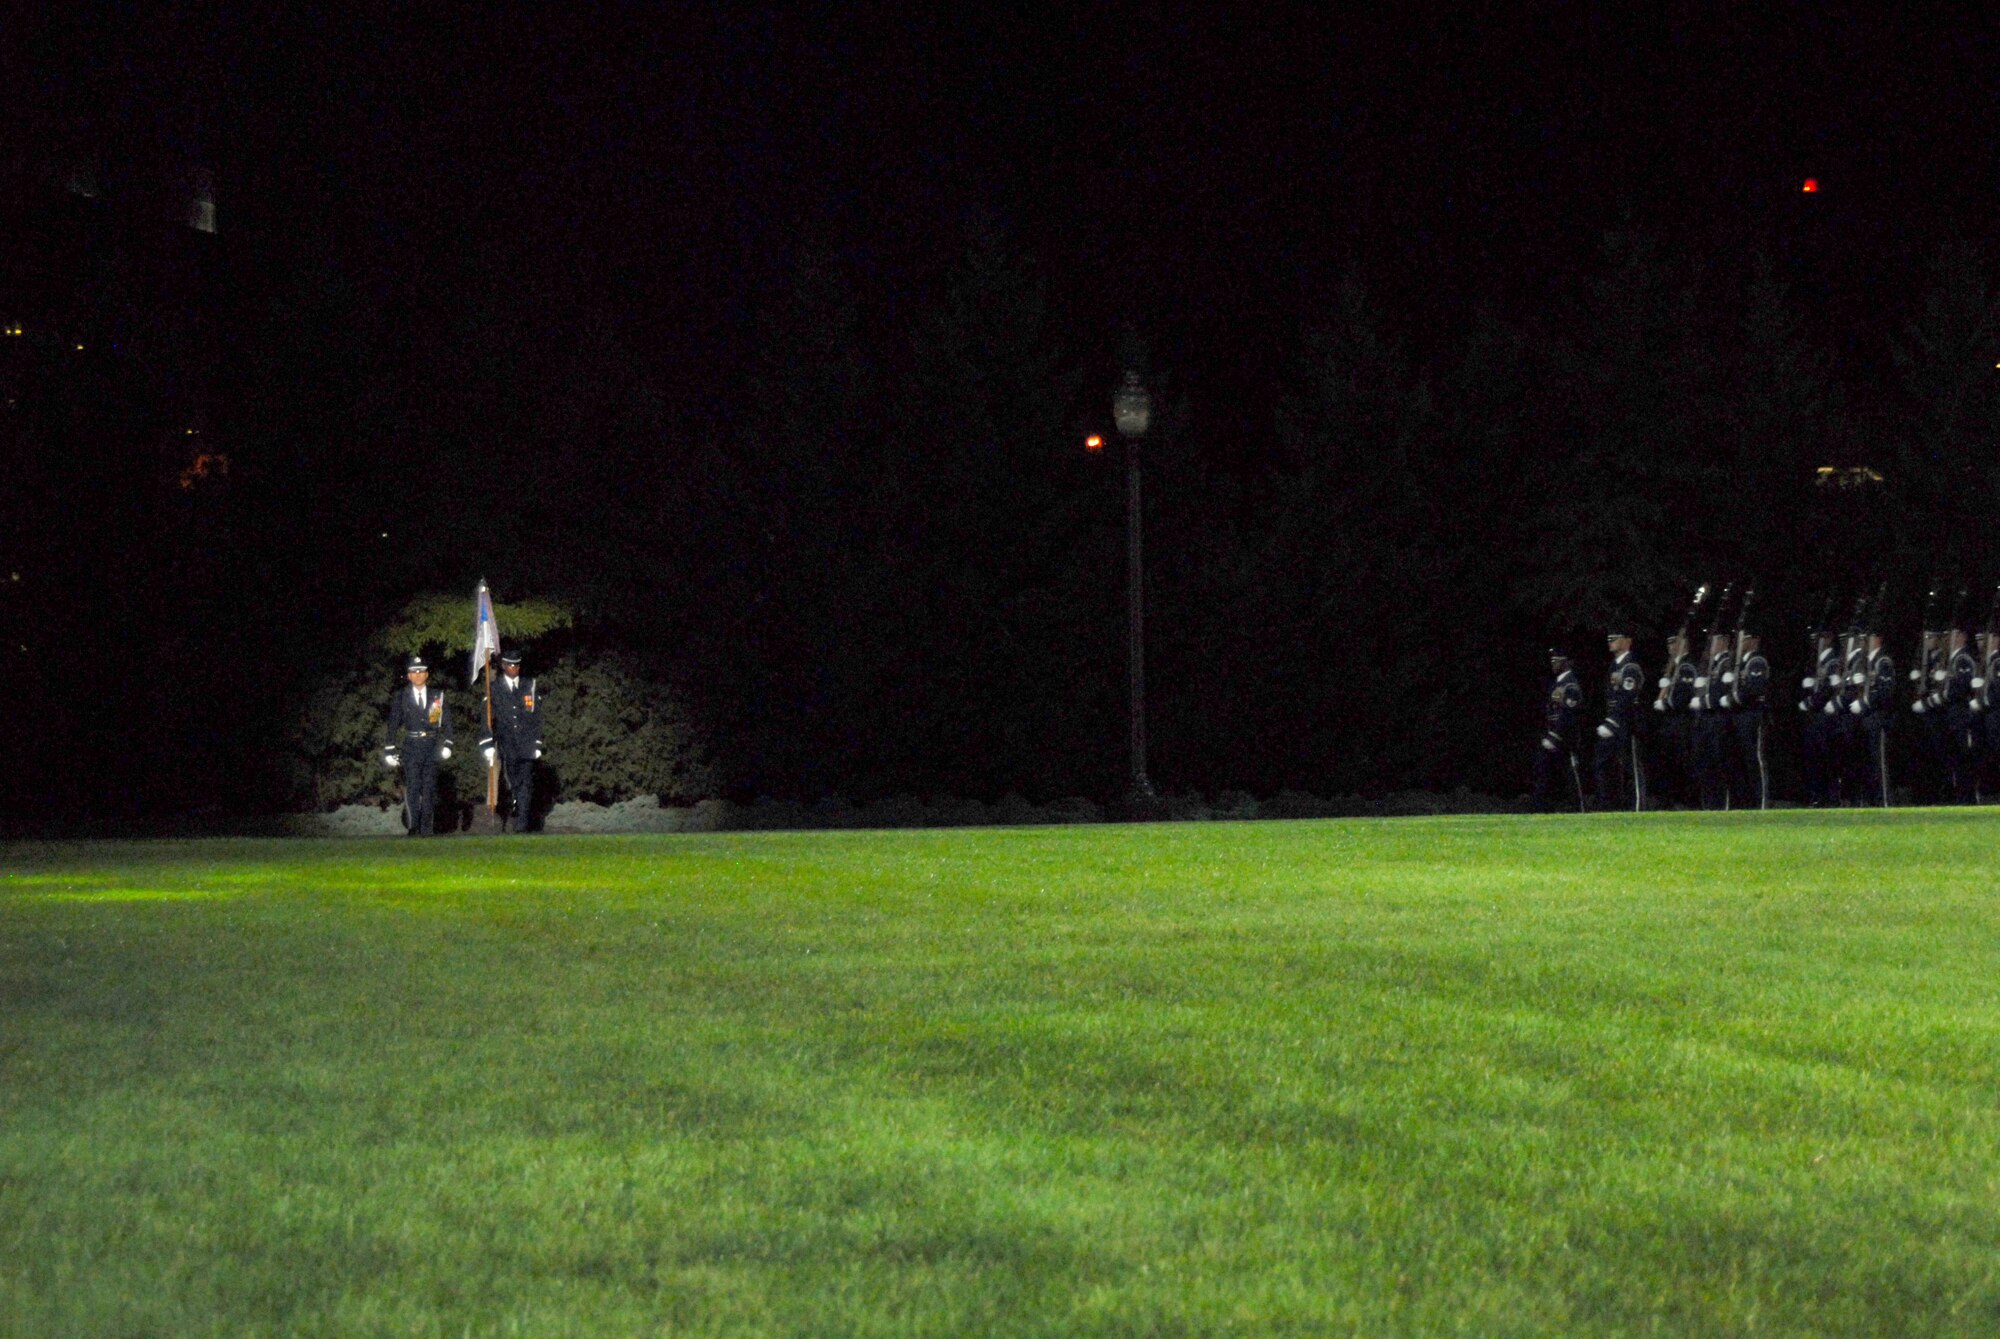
(1132, 410)
(1135, 578)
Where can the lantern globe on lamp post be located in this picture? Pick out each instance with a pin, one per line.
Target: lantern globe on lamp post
(1132, 411)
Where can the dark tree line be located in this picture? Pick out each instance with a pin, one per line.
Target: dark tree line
(880, 561)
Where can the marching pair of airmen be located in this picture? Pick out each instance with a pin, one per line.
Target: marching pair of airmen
(1616, 766)
(1849, 701)
(1950, 698)
(419, 738)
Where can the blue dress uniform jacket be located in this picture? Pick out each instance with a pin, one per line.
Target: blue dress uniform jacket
(517, 718)
(1751, 686)
(1559, 718)
(1621, 692)
(1680, 690)
(1878, 687)
(1823, 687)
(419, 726)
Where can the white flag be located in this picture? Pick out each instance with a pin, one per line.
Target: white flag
(485, 632)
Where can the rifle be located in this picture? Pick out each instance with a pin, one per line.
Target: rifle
(1853, 642)
(1742, 622)
(1822, 628)
(1716, 625)
(1927, 642)
(1687, 624)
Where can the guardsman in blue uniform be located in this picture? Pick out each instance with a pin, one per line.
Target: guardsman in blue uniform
(1555, 761)
(1621, 781)
(1711, 731)
(517, 738)
(1949, 704)
(1871, 707)
(1676, 732)
(419, 739)
(1986, 707)
(1820, 689)
(1849, 745)
(1745, 699)
(1933, 771)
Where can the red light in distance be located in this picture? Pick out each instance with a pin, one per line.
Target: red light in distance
(1093, 443)
(1811, 187)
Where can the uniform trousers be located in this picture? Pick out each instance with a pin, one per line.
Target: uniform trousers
(1872, 744)
(420, 769)
(1962, 753)
(519, 769)
(1558, 781)
(1621, 780)
(1711, 760)
(1816, 759)
(1749, 778)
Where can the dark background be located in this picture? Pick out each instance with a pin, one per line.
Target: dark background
(769, 339)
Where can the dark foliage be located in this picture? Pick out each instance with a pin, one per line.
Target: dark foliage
(887, 566)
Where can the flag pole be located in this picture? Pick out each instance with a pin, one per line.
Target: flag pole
(483, 616)
(492, 768)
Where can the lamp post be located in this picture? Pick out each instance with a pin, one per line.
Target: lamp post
(1132, 411)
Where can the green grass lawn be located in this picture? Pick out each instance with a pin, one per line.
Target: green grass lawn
(1675, 1074)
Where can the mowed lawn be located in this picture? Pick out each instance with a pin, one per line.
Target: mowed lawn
(1675, 1074)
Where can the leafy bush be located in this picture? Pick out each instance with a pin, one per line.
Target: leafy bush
(610, 733)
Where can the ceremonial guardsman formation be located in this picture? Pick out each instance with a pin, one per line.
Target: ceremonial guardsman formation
(419, 739)
(1710, 727)
(515, 738)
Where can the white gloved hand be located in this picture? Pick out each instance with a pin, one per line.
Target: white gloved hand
(1830, 708)
(1548, 743)
(1979, 683)
(444, 754)
(1663, 681)
(1854, 678)
(1854, 707)
(1694, 704)
(1807, 683)
(490, 756)
(1937, 676)
(1917, 707)
(538, 753)
(1701, 681)
(1729, 699)
(391, 760)
(1729, 676)
(1805, 706)
(1916, 675)
(1659, 705)
(1604, 732)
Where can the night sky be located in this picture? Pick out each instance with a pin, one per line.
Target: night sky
(1208, 175)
